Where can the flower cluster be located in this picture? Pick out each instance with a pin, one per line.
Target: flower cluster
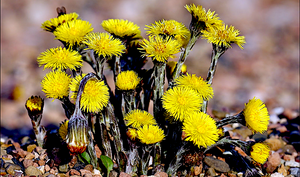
(140, 117)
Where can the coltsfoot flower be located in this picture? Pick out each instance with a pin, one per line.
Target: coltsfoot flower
(121, 28)
(201, 129)
(260, 152)
(104, 44)
(224, 36)
(53, 23)
(127, 80)
(95, 94)
(171, 28)
(197, 83)
(34, 106)
(132, 133)
(56, 84)
(137, 118)
(256, 115)
(181, 102)
(60, 58)
(202, 19)
(160, 48)
(77, 137)
(150, 134)
(73, 32)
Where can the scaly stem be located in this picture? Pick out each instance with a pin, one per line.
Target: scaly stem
(230, 120)
(217, 52)
(117, 67)
(175, 163)
(225, 140)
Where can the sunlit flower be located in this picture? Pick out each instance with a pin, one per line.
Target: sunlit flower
(95, 94)
(56, 84)
(60, 58)
(34, 104)
(63, 129)
(224, 36)
(132, 133)
(180, 102)
(256, 115)
(73, 32)
(171, 28)
(104, 44)
(77, 136)
(150, 134)
(137, 118)
(197, 83)
(53, 23)
(127, 80)
(159, 48)
(202, 19)
(121, 28)
(260, 152)
(201, 129)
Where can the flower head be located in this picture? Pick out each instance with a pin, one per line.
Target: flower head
(201, 129)
(256, 115)
(60, 58)
(95, 94)
(171, 28)
(160, 48)
(73, 32)
(180, 102)
(121, 28)
(260, 152)
(56, 84)
(150, 134)
(53, 23)
(77, 137)
(137, 118)
(127, 80)
(34, 104)
(104, 44)
(224, 36)
(202, 19)
(132, 133)
(197, 83)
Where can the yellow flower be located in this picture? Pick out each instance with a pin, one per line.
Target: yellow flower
(127, 80)
(197, 83)
(73, 32)
(60, 58)
(160, 48)
(150, 134)
(56, 84)
(180, 102)
(104, 44)
(63, 129)
(224, 36)
(202, 19)
(201, 129)
(53, 23)
(256, 115)
(137, 118)
(121, 28)
(171, 28)
(132, 133)
(95, 94)
(260, 152)
(34, 104)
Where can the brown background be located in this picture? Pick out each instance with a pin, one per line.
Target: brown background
(267, 68)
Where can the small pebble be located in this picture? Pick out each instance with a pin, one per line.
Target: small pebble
(63, 168)
(54, 171)
(273, 162)
(47, 168)
(277, 175)
(27, 163)
(161, 174)
(42, 169)
(31, 147)
(73, 172)
(83, 172)
(29, 156)
(89, 167)
(295, 171)
(10, 169)
(32, 171)
(292, 164)
(41, 162)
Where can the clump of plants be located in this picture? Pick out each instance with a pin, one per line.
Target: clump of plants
(142, 124)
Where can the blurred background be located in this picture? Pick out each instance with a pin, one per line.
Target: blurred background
(267, 68)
